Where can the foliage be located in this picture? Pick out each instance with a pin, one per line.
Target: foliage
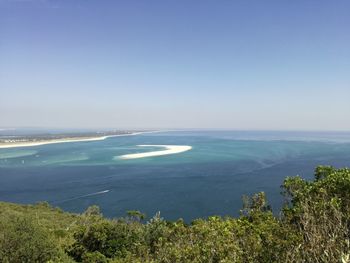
(319, 210)
(110, 238)
(313, 226)
(135, 215)
(23, 240)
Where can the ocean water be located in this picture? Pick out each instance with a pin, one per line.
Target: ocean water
(208, 180)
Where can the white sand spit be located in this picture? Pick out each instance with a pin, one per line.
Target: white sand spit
(169, 149)
(64, 140)
(29, 144)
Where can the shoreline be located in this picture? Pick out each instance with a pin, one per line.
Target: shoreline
(67, 140)
(169, 149)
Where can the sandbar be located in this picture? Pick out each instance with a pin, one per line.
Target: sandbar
(169, 149)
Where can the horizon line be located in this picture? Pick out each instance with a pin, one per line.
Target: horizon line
(168, 129)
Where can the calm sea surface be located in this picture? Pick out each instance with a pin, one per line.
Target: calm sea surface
(208, 180)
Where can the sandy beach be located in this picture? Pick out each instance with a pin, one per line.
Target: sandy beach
(29, 144)
(169, 149)
(65, 140)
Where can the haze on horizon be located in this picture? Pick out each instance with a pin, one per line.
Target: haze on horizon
(175, 64)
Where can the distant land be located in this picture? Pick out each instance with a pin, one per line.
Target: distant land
(12, 141)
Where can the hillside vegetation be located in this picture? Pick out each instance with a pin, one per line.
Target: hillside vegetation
(313, 226)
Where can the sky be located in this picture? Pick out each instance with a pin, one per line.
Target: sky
(260, 65)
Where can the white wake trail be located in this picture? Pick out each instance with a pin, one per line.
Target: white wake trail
(81, 196)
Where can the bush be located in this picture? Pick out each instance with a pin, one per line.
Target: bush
(109, 238)
(94, 257)
(319, 210)
(23, 240)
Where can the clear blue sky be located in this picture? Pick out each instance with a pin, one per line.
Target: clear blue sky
(175, 64)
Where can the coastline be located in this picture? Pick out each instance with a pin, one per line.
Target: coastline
(169, 149)
(66, 140)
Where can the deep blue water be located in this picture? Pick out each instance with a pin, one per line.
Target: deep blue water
(208, 180)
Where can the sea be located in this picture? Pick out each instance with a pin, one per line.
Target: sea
(210, 179)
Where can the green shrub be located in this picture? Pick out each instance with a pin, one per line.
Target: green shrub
(110, 238)
(94, 257)
(23, 240)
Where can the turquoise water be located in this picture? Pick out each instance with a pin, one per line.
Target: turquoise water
(208, 180)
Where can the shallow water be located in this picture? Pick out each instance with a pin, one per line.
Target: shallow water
(209, 179)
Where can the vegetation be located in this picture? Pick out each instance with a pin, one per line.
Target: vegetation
(313, 226)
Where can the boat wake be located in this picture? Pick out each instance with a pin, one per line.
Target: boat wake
(81, 196)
